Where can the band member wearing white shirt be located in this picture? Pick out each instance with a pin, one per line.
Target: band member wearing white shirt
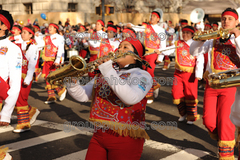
(223, 55)
(16, 37)
(10, 69)
(30, 57)
(117, 108)
(52, 56)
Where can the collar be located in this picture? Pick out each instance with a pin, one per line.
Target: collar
(189, 42)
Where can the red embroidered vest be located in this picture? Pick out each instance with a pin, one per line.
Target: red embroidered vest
(105, 48)
(184, 60)
(224, 57)
(109, 111)
(94, 50)
(4, 86)
(152, 40)
(50, 50)
(24, 62)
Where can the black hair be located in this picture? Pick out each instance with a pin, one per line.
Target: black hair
(8, 16)
(230, 9)
(157, 13)
(138, 64)
(111, 22)
(215, 23)
(184, 21)
(18, 26)
(132, 30)
(32, 29)
(189, 27)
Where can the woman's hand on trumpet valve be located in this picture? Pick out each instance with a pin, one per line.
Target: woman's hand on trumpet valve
(235, 31)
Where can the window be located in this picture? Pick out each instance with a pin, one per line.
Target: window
(130, 9)
(72, 7)
(28, 8)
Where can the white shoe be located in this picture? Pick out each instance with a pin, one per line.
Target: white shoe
(21, 130)
(189, 122)
(7, 157)
(34, 117)
(63, 95)
(164, 69)
(150, 101)
(182, 118)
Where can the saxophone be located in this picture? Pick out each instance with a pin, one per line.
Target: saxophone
(226, 79)
(77, 67)
(210, 34)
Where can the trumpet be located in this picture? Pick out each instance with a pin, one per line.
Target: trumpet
(77, 67)
(210, 34)
(166, 49)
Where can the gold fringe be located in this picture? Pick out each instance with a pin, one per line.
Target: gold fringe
(50, 87)
(133, 131)
(0, 107)
(3, 152)
(18, 108)
(193, 118)
(205, 75)
(37, 69)
(32, 111)
(61, 92)
(184, 69)
(43, 75)
(149, 50)
(178, 101)
(191, 101)
(47, 58)
(92, 52)
(227, 158)
(214, 136)
(226, 143)
(24, 75)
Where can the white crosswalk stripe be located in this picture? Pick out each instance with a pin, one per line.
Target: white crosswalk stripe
(177, 151)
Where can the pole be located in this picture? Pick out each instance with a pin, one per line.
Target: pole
(103, 10)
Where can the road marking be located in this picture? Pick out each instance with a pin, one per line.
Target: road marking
(161, 146)
(74, 156)
(187, 154)
(43, 139)
(11, 127)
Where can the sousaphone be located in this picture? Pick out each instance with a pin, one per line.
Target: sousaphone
(197, 15)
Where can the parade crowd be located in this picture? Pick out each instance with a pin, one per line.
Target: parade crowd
(28, 51)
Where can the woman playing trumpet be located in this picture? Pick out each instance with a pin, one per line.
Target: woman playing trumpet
(118, 106)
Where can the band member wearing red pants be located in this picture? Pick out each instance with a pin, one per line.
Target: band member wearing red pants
(222, 56)
(52, 55)
(10, 69)
(188, 70)
(118, 108)
(30, 57)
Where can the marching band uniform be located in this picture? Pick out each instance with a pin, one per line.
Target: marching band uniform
(10, 71)
(40, 43)
(152, 42)
(170, 40)
(17, 38)
(218, 102)
(108, 44)
(118, 107)
(54, 48)
(185, 84)
(30, 57)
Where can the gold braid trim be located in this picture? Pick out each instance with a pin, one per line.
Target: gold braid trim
(18, 108)
(0, 107)
(133, 131)
(178, 101)
(191, 102)
(3, 152)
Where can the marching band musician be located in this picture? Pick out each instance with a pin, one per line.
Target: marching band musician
(109, 44)
(94, 42)
(188, 70)
(117, 108)
(170, 41)
(52, 56)
(83, 52)
(207, 26)
(25, 112)
(40, 42)
(222, 56)
(183, 23)
(155, 39)
(10, 66)
(16, 37)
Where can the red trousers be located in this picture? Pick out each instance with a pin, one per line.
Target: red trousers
(23, 95)
(109, 146)
(216, 112)
(184, 89)
(47, 67)
(151, 59)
